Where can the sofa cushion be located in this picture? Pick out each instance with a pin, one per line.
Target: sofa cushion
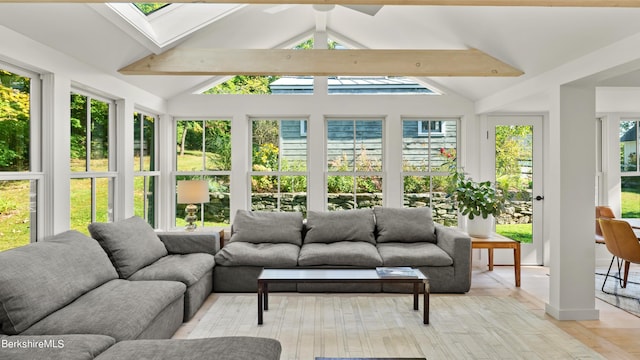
(265, 254)
(333, 226)
(404, 225)
(40, 278)
(354, 253)
(413, 254)
(119, 308)
(217, 348)
(187, 269)
(58, 347)
(267, 227)
(131, 244)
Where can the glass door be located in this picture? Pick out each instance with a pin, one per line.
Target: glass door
(516, 146)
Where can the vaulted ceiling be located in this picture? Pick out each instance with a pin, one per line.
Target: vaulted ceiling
(536, 40)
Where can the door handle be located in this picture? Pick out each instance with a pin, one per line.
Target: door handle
(538, 198)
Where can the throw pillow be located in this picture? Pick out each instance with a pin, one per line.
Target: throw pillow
(404, 225)
(332, 226)
(131, 244)
(267, 227)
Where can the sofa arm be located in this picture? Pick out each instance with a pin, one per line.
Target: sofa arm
(454, 242)
(458, 245)
(184, 242)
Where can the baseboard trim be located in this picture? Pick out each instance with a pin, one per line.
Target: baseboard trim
(572, 314)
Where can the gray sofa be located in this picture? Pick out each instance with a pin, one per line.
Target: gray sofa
(168, 256)
(364, 238)
(101, 347)
(66, 290)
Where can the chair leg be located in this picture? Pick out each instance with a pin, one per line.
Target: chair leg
(608, 271)
(626, 273)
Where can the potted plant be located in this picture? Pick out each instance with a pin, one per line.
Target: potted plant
(480, 202)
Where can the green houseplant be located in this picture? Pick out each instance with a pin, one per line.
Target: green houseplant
(477, 200)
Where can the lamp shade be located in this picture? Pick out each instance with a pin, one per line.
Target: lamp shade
(193, 192)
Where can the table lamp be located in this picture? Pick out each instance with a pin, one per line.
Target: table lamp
(192, 192)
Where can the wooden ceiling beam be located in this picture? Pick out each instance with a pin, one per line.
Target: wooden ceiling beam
(544, 3)
(282, 62)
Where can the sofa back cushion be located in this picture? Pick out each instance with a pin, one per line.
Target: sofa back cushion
(131, 244)
(347, 225)
(267, 227)
(40, 278)
(404, 225)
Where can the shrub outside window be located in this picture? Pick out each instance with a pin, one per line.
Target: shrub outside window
(354, 163)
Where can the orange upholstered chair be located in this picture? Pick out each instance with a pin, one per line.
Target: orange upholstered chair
(602, 212)
(623, 243)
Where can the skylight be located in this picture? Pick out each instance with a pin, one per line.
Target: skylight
(149, 8)
(160, 25)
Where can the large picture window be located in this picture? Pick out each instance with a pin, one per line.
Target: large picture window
(279, 165)
(92, 176)
(145, 166)
(630, 176)
(428, 154)
(354, 163)
(20, 171)
(203, 152)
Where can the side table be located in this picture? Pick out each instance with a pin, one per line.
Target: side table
(499, 242)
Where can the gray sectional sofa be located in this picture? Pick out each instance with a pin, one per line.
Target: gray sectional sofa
(127, 286)
(364, 238)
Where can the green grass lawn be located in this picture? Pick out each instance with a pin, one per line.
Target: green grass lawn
(630, 205)
(518, 232)
(14, 214)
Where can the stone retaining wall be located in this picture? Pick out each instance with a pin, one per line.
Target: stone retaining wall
(518, 210)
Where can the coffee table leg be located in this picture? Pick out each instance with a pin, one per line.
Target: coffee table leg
(416, 290)
(516, 263)
(265, 294)
(260, 288)
(425, 316)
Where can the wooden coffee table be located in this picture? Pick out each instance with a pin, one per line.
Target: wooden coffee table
(325, 275)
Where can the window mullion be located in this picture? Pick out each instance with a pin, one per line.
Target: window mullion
(88, 135)
(204, 145)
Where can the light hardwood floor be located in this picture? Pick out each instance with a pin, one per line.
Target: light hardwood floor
(616, 335)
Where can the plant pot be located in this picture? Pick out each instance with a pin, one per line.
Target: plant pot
(480, 227)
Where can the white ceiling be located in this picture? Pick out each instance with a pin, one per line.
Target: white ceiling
(534, 39)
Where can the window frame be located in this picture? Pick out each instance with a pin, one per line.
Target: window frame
(195, 174)
(355, 174)
(279, 173)
(431, 132)
(35, 173)
(428, 172)
(141, 172)
(110, 174)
